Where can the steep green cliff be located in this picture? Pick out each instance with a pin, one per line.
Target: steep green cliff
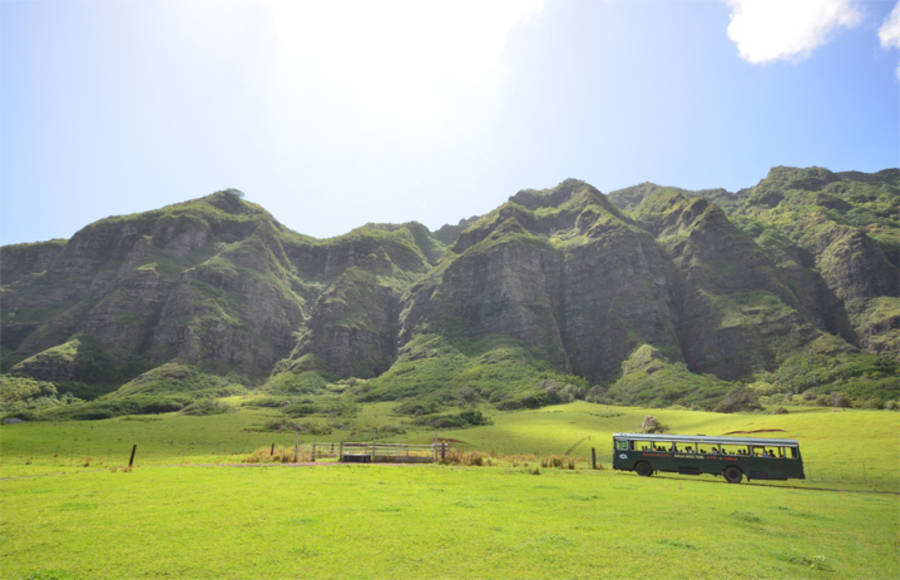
(651, 295)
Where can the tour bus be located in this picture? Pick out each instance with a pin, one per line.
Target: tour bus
(732, 457)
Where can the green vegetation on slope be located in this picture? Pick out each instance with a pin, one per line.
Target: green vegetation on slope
(436, 371)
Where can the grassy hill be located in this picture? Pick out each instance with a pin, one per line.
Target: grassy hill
(511, 518)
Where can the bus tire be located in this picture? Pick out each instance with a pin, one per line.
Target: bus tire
(733, 474)
(643, 468)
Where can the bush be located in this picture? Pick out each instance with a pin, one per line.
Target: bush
(288, 382)
(300, 409)
(470, 458)
(872, 404)
(269, 402)
(559, 461)
(152, 405)
(203, 407)
(305, 427)
(457, 421)
(418, 407)
(838, 399)
(277, 454)
(92, 413)
(557, 392)
(740, 398)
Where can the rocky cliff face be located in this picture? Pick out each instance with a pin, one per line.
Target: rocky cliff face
(563, 272)
(747, 286)
(216, 282)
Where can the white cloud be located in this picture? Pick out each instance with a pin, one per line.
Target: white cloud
(889, 33)
(770, 30)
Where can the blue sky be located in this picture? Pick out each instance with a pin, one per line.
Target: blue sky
(335, 114)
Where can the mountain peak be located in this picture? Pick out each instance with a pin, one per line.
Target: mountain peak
(567, 191)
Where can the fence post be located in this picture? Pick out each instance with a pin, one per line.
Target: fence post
(296, 446)
(593, 458)
(372, 458)
(341, 452)
(272, 450)
(131, 460)
(443, 451)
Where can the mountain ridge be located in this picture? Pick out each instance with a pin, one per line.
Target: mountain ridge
(555, 287)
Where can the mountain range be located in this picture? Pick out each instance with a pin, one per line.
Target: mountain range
(649, 295)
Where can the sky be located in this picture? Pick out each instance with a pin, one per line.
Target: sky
(335, 114)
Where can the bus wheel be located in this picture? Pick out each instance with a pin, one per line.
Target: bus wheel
(732, 474)
(643, 468)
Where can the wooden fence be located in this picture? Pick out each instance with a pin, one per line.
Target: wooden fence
(375, 452)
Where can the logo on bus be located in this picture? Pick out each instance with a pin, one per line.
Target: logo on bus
(623, 456)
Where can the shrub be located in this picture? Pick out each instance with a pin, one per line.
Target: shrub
(740, 398)
(203, 407)
(277, 454)
(152, 405)
(557, 392)
(457, 421)
(417, 407)
(92, 413)
(269, 402)
(288, 382)
(838, 399)
(515, 460)
(872, 404)
(306, 427)
(470, 458)
(559, 461)
(300, 409)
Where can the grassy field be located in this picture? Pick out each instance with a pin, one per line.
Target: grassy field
(178, 515)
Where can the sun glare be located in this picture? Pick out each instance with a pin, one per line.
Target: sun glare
(421, 66)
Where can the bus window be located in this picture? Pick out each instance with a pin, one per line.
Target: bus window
(730, 450)
(623, 444)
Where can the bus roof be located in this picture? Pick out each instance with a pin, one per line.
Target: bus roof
(708, 440)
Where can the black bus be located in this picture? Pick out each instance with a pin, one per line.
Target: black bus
(732, 457)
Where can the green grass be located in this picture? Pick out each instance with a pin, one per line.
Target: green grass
(847, 449)
(177, 514)
(429, 521)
